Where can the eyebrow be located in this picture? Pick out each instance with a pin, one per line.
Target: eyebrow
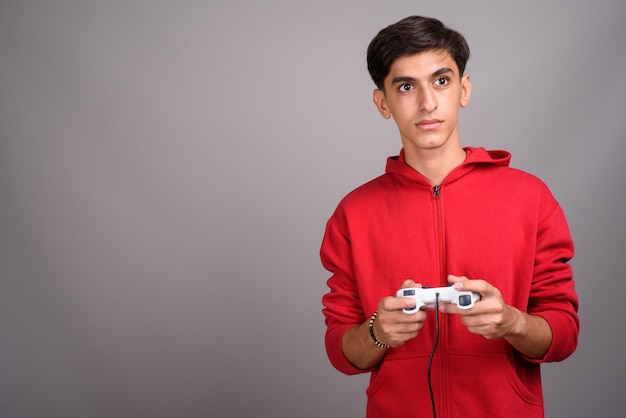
(405, 79)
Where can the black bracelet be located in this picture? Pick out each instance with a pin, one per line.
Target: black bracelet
(378, 343)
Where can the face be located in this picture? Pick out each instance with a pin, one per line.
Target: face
(423, 93)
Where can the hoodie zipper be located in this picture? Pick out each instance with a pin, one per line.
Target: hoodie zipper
(440, 246)
(442, 318)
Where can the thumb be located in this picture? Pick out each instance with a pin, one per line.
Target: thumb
(456, 279)
(409, 283)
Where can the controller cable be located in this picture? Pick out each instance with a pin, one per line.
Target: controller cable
(432, 354)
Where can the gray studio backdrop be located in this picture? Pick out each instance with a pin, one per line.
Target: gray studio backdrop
(167, 169)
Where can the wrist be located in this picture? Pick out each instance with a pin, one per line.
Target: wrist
(530, 334)
(517, 330)
(372, 334)
(519, 326)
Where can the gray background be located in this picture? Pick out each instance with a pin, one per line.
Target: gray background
(167, 169)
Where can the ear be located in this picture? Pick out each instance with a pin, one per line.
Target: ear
(466, 90)
(381, 103)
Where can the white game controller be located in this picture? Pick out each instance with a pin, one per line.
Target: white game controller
(425, 297)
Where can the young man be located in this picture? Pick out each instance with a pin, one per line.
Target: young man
(444, 215)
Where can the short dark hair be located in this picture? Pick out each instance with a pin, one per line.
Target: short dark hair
(409, 36)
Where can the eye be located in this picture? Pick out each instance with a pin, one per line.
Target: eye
(441, 81)
(406, 87)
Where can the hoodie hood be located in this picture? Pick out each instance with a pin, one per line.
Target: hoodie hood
(475, 157)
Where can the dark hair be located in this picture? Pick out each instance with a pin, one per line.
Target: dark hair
(412, 35)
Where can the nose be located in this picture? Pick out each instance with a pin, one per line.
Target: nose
(428, 101)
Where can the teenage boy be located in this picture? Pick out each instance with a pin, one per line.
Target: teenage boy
(444, 214)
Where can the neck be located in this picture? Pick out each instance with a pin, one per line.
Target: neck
(435, 164)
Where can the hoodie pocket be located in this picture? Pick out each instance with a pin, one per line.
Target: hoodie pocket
(398, 387)
(494, 385)
(489, 384)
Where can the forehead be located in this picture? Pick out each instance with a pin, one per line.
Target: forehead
(422, 65)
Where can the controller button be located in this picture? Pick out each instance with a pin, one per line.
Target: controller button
(465, 300)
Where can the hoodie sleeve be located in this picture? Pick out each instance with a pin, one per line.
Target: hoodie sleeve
(553, 296)
(342, 307)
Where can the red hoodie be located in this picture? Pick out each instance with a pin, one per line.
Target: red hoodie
(485, 221)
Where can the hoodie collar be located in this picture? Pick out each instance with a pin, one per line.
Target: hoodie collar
(473, 159)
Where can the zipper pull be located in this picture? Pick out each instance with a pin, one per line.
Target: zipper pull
(436, 192)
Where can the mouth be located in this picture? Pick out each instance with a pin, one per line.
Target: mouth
(429, 124)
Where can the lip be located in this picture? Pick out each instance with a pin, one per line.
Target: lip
(429, 124)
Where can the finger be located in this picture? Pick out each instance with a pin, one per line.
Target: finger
(450, 308)
(392, 303)
(409, 283)
(397, 327)
(409, 303)
(456, 279)
(402, 322)
(478, 286)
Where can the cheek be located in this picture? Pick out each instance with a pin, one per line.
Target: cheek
(404, 113)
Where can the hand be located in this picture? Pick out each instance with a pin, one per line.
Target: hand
(392, 325)
(491, 317)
